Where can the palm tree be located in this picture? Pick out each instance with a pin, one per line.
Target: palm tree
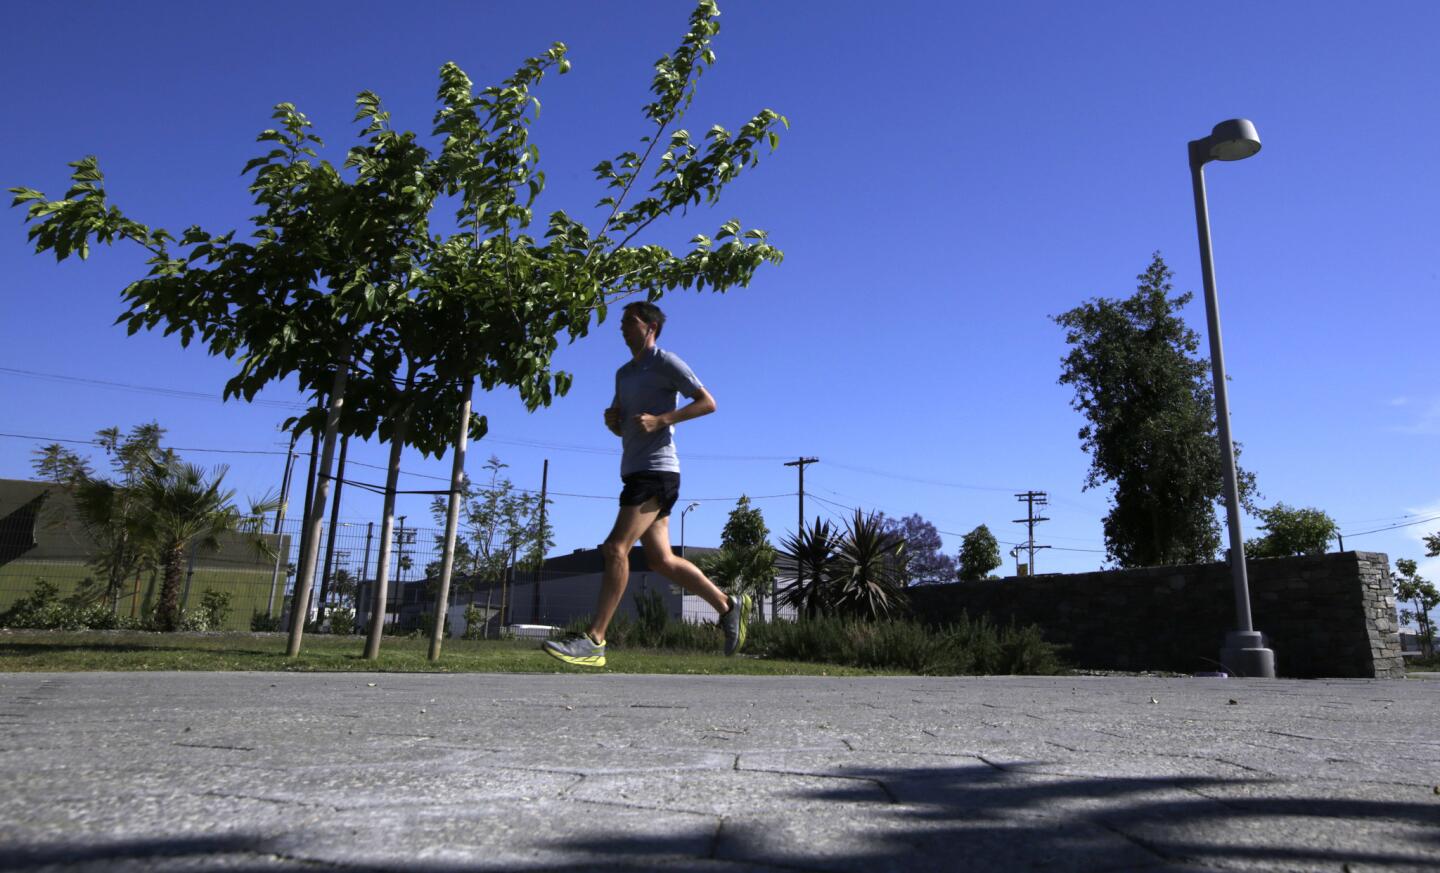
(181, 507)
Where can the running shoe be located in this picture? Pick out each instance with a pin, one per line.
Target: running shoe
(579, 650)
(735, 623)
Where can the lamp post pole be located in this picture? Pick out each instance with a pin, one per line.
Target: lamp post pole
(683, 513)
(1244, 652)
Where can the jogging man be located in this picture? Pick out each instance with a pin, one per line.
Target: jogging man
(643, 414)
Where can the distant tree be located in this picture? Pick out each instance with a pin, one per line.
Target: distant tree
(1292, 531)
(106, 507)
(343, 587)
(979, 554)
(1150, 423)
(925, 562)
(746, 560)
(1432, 545)
(500, 526)
(182, 507)
(1413, 589)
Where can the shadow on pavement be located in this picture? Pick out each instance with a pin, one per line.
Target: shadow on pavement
(980, 817)
(961, 818)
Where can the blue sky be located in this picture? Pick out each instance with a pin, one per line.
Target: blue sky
(955, 174)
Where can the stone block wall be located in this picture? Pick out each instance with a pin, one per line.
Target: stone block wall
(1328, 615)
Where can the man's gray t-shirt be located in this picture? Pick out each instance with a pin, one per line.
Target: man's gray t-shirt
(649, 385)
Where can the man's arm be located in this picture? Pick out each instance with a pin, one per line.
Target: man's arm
(702, 404)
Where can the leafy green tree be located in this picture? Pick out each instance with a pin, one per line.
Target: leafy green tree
(182, 507)
(501, 526)
(343, 285)
(979, 554)
(1292, 531)
(746, 560)
(1150, 423)
(925, 563)
(1432, 545)
(1413, 589)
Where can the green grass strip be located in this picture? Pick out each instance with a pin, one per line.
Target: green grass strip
(79, 651)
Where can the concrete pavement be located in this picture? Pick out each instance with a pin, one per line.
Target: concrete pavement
(425, 772)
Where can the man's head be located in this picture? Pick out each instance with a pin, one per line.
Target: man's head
(640, 319)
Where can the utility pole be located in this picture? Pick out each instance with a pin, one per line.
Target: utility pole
(540, 534)
(1032, 499)
(280, 555)
(334, 528)
(798, 463)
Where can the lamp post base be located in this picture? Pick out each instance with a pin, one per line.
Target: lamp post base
(1244, 655)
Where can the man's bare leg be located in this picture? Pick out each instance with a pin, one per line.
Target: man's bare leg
(656, 540)
(629, 525)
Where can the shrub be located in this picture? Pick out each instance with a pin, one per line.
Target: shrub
(342, 620)
(964, 648)
(42, 609)
(215, 605)
(262, 623)
(476, 621)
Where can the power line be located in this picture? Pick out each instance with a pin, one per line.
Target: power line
(903, 478)
(176, 393)
(96, 443)
(1395, 526)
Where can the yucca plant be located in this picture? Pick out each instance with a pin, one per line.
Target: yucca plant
(811, 558)
(869, 581)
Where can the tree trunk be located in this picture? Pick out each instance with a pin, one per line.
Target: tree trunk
(167, 617)
(300, 610)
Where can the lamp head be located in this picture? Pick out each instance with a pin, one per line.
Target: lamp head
(1232, 140)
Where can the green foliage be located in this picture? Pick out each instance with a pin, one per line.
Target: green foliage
(859, 572)
(1150, 423)
(1292, 531)
(869, 579)
(1432, 545)
(964, 648)
(106, 508)
(42, 609)
(216, 606)
(475, 622)
(500, 528)
(810, 558)
(650, 614)
(341, 268)
(745, 562)
(182, 507)
(342, 620)
(653, 628)
(1419, 597)
(262, 623)
(979, 554)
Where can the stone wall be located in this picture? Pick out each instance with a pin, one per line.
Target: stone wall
(1329, 615)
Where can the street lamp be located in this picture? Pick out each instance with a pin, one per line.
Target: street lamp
(682, 526)
(1244, 652)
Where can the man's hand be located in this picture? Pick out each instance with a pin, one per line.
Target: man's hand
(650, 423)
(613, 421)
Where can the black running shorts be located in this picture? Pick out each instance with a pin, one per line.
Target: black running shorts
(640, 487)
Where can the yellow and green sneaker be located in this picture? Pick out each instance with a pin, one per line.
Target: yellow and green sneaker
(735, 623)
(580, 650)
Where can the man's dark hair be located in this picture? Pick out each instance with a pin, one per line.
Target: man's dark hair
(648, 313)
